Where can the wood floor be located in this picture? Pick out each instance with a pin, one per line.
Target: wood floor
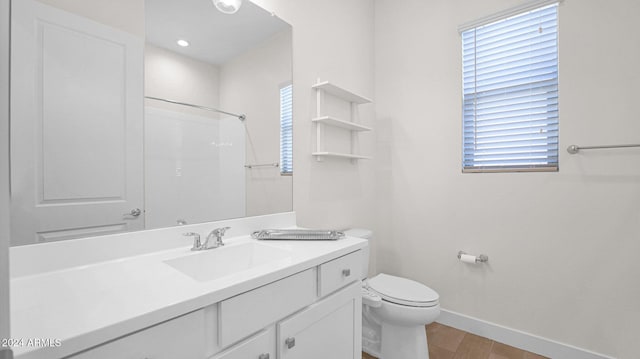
(450, 343)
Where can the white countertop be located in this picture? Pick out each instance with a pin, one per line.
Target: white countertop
(86, 305)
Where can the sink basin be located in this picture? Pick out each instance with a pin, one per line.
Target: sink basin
(220, 262)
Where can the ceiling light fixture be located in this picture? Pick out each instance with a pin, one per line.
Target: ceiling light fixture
(227, 6)
(183, 43)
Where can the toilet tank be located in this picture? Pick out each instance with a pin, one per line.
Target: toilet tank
(364, 234)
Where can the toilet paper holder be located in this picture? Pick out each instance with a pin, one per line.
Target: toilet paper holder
(483, 258)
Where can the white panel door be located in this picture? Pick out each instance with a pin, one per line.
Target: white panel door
(76, 126)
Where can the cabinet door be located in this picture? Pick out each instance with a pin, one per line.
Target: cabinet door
(183, 338)
(260, 346)
(330, 328)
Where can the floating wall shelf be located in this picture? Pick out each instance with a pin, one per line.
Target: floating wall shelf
(342, 155)
(341, 93)
(322, 120)
(331, 121)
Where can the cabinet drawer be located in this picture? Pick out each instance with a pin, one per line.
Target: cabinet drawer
(247, 313)
(182, 337)
(260, 346)
(339, 272)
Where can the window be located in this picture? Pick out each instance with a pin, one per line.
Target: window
(286, 130)
(510, 94)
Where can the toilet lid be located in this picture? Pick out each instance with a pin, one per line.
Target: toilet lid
(403, 291)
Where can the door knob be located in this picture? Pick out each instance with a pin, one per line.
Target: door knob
(135, 212)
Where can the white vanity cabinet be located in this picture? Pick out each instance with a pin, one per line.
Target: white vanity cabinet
(329, 328)
(312, 314)
(325, 307)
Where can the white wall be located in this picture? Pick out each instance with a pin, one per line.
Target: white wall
(561, 246)
(332, 40)
(250, 84)
(176, 77)
(4, 168)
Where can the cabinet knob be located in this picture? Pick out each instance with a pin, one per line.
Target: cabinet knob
(290, 342)
(264, 356)
(346, 272)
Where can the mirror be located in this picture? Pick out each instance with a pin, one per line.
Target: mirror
(116, 127)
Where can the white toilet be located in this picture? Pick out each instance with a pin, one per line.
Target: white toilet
(395, 311)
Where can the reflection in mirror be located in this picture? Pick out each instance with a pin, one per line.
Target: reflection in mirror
(91, 156)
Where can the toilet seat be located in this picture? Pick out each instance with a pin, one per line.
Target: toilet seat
(403, 291)
(371, 298)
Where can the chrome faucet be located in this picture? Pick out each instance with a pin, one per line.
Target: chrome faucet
(218, 233)
(197, 245)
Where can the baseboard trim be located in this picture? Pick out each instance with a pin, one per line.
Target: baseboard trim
(516, 338)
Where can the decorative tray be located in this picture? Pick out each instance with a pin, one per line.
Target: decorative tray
(298, 234)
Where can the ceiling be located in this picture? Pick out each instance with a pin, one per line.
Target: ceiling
(214, 37)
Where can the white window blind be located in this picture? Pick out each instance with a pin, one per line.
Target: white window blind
(510, 94)
(286, 129)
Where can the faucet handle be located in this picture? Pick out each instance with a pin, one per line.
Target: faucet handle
(218, 233)
(197, 245)
(223, 230)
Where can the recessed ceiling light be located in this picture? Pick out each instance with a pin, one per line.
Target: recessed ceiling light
(183, 43)
(228, 6)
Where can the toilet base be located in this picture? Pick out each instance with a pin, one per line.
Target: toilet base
(370, 334)
(401, 342)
